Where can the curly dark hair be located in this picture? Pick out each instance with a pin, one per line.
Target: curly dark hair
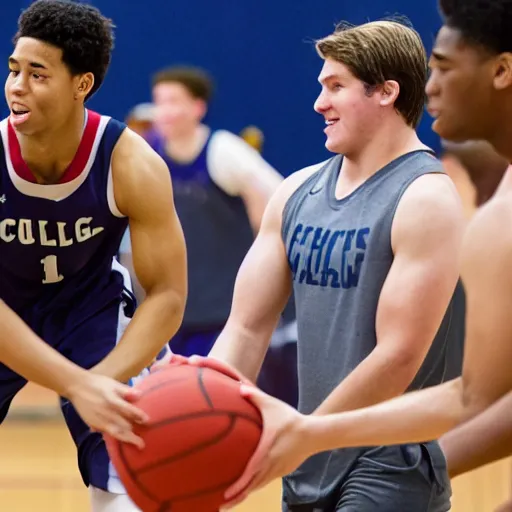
(83, 34)
(487, 23)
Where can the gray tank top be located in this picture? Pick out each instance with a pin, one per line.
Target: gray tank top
(340, 253)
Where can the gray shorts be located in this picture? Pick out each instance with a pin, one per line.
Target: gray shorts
(409, 478)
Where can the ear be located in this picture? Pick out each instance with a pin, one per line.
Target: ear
(83, 85)
(201, 108)
(503, 71)
(389, 92)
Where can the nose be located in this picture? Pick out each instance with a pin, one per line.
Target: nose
(432, 87)
(18, 85)
(322, 103)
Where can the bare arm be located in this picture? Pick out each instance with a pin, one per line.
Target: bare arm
(480, 441)
(428, 414)
(262, 287)
(143, 192)
(426, 239)
(101, 402)
(240, 170)
(27, 354)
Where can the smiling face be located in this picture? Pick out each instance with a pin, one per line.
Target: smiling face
(40, 90)
(349, 111)
(461, 90)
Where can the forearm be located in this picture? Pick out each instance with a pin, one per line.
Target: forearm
(27, 354)
(483, 439)
(155, 322)
(242, 350)
(414, 417)
(381, 376)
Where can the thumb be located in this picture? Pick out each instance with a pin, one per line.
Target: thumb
(254, 395)
(128, 393)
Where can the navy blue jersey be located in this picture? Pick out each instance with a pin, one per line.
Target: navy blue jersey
(58, 242)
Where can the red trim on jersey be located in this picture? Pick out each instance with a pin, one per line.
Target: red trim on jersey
(77, 165)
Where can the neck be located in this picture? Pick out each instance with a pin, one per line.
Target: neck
(186, 147)
(501, 139)
(390, 142)
(48, 154)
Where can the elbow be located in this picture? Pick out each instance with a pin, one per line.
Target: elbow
(171, 306)
(403, 367)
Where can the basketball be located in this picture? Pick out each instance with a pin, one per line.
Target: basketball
(200, 436)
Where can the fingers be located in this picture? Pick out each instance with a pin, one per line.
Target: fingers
(128, 393)
(219, 366)
(129, 411)
(125, 435)
(233, 503)
(174, 359)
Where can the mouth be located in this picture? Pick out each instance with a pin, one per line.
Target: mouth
(433, 112)
(330, 122)
(19, 114)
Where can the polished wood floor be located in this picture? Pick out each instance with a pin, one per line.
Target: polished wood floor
(38, 471)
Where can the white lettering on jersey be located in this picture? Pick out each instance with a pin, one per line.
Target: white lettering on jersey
(65, 233)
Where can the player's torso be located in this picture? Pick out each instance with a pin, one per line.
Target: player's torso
(340, 253)
(58, 240)
(217, 232)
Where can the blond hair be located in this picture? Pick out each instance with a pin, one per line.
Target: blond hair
(380, 51)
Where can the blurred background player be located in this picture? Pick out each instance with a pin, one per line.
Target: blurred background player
(221, 187)
(140, 119)
(71, 181)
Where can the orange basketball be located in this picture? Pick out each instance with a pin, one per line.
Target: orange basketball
(200, 436)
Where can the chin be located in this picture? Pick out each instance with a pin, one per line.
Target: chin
(453, 133)
(335, 147)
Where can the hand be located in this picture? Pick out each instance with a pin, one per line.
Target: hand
(175, 359)
(104, 404)
(283, 446)
(205, 362)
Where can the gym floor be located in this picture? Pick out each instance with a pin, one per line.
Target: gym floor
(38, 471)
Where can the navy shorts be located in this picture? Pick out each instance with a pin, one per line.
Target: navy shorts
(85, 342)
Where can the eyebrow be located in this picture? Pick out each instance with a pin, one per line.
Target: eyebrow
(324, 79)
(36, 65)
(439, 56)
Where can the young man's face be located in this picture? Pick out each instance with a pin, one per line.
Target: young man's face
(177, 111)
(461, 92)
(350, 111)
(39, 88)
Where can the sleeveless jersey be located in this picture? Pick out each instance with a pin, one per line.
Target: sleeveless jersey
(340, 254)
(58, 242)
(218, 235)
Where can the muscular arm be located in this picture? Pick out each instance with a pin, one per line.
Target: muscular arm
(428, 414)
(27, 354)
(262, 287)
(426, 238)
(143, 192)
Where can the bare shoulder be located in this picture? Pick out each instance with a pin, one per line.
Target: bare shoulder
(488, 239)
(138, 172)
(133, 153)
(429, 212)
(275, 207)
(432, 196)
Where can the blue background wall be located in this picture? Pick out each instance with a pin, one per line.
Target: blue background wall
(260, 53)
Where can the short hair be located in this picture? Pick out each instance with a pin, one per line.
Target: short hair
(83, 34)
(197, 81)
(379, 51)
(487, 23)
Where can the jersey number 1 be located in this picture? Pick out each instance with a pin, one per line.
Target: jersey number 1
(51, 273)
